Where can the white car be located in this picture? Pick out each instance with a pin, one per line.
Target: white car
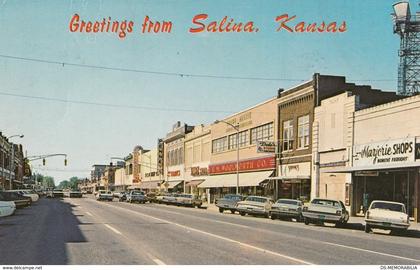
(27, 193)
(7, 208)
(255, 205)
(387, 215)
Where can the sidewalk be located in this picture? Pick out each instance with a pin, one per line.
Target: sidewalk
(353, 220)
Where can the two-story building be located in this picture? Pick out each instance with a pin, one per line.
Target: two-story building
(174, 157)
(235, 141)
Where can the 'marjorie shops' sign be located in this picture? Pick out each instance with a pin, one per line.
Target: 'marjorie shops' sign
(378, 154)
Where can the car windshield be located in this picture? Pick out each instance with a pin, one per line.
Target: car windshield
(326, 202)
(256, 199)
(388, 206)
(137, 193)
(292, 202)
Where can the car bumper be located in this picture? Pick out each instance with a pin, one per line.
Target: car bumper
(256, 211)
(227, 206)
(281, 213)
(386, 225)
(322, 217)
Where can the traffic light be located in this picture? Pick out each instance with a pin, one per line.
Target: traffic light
(43, 161)
(65, 162)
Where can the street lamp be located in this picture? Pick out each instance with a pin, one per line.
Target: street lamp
(235, 127)
(12, 161)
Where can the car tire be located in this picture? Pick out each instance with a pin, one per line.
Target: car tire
(232, 211)
(221, 210)
(273, 216)
(367, 229)
(267, 215)
(306, 221)
(242, 213)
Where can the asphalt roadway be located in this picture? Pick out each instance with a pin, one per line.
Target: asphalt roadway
(85, 231)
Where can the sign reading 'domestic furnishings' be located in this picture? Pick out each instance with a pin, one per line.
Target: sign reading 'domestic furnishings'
(244, 165)
(391, 152)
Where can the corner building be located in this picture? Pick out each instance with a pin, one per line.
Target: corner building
(255, 124)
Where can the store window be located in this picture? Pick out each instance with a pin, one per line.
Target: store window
(243, 139)
(288, 138)
(220, 145)
(303, 131)
(262, 133)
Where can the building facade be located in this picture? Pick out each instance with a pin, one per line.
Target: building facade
(174, 150)
(296, 108)
(197, 158)
(151, 179)
(12, 164)
(254, 125)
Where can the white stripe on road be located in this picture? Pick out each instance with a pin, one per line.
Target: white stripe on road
(89, 214)
(113, 229)
(371, 251)
(158, 262)
(215, 236)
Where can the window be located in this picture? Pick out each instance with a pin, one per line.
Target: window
(243, 139)
(303, 131)
(288, 137)
(262, 133)
(220, 145)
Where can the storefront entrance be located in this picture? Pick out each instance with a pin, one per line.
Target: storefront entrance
(294, 189)
(398, 186)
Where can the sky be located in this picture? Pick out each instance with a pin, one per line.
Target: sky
(146, 105)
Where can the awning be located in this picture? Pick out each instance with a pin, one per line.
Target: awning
(150, 184)
(372, 168)
(250, 179)
(194, 183)
(295, 177)
(172, 184)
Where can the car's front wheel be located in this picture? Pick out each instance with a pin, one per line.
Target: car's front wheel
(232, 211)
(367, 229)
(242, 213)
(273, 216)
(306, 221)
(221, 210)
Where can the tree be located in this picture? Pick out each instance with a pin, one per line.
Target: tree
(64, 184)
(74, 181)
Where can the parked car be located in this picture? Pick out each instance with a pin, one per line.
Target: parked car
(7, 208)
(151, 197)
(169, 198)
(57, 193)
(121, 196)
(104, 195)
(160, 196)
(387, 215)
(229, 202)
(325, 210)
(26, 193)
(136, 196)
(19, 200)
(75, 194)
(255, 205)
(287, 208)
(189, 200)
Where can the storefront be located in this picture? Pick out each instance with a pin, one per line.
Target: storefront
(253, 179)
(386, 170)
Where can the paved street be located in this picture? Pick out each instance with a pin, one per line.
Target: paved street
(84, 231)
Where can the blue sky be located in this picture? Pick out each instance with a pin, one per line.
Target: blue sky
(92, 134)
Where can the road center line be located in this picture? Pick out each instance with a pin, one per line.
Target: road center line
(113, 229)
(89, 214)
(158, 262)
(371, 251)
(215, 236)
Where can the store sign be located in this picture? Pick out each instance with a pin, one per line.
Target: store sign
(367, 173)
(266, 147)
(174, 173)
(391, 152)
(197, 171)
(417, 150)
(246, 165)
